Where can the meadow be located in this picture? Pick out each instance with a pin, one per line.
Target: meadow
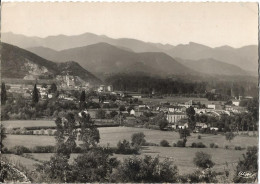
(181, 157)
(111, 136)
(28, 123)
(176, 99)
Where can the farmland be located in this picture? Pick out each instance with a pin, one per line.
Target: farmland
(176, 100)
(27, 123)
(182, 157)
(111, 136)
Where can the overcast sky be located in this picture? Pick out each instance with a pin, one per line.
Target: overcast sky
(212, 24)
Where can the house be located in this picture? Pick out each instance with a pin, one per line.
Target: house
(176, 109)
(109, 88)
(201, 125)
(182, 125)
(215, 106)
(235, 102)
(132, 112)
(175, 117)
(214, 128)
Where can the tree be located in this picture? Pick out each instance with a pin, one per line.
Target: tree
(163, 123)
(203, 160)
(191, 117)
(247, 166)
(93, 166)
(113, 114)
(122, 108)
(44, 85)
(53, 88)
(101, 114)
(3, 94)
(229, 136)
(2, 137)
(145, 170)
(83, 96)
(138, 139)
(35, 95)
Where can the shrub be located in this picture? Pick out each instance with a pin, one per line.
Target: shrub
(125, 148)
(19, 150)
(249, 163)
(226, 147)
(203, 160)
(198, 145)
(229, 136)
(145, 170)
(138, 139)
(199, 136)
(180, 143)
(164, 143)
(213, 145)
(150, 144)
(43, 149)
(238, 148)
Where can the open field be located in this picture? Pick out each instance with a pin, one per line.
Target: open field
(111, 136)
(182, 157)
(177, 100)
(27, 123)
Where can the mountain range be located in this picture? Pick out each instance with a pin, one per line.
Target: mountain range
(104, 59)
(245, 57)
(20, 63)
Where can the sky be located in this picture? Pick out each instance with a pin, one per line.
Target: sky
(212, 24)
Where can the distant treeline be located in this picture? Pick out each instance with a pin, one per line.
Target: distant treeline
(148, 84)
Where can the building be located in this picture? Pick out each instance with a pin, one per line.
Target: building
(235, 102)
(109, 88)
(201, 125)
(132, 112)
(175, 117)
(176, 109)
(215, 106)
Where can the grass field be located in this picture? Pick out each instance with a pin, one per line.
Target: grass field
(27, 123)
(177, 100)
(182, 157)
(111, 136)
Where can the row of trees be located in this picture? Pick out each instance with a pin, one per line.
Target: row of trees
(147, 85)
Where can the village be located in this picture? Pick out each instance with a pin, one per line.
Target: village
(108, 107)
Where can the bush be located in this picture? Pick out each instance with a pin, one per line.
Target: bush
(198, 145)
(199, 136)
(180, 143)
(226, 147)
(238, 148)
(138, 139)
(150, 144)
(229, 136)
(203, 160)
(145, 170)
(43, 149)
(213, 145)
(164, 143)
(125, 148)
(19, 150)
(249, 163)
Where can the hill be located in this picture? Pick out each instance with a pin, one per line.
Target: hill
(214, 67)
(244, 57)
(22, 64)
(105, 59)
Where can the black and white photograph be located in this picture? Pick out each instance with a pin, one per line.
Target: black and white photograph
(129, 92)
